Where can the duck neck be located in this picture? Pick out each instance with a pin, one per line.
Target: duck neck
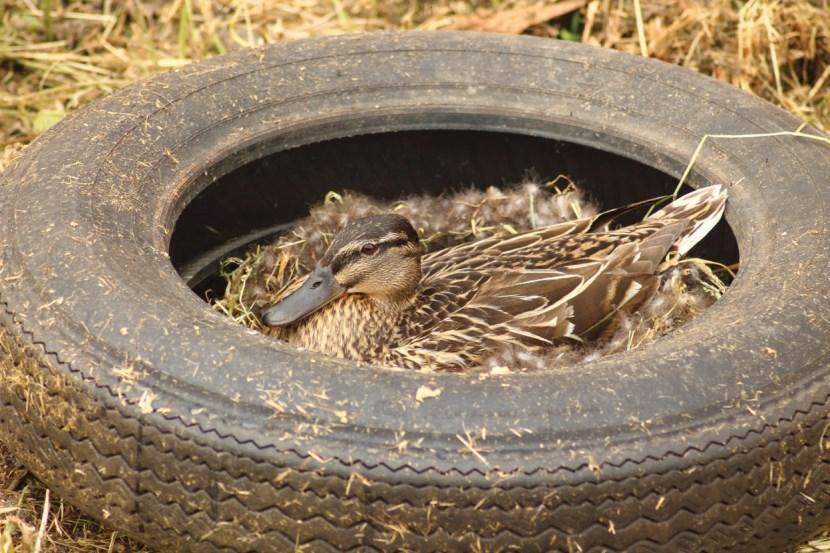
(355, 326)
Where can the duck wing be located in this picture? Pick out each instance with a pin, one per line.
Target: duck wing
(542, 247)
(489, 253)
(454, 327)
(545, 285)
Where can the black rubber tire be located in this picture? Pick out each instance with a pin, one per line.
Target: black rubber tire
(128, 396)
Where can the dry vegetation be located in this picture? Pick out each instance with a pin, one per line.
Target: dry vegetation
(56, 56)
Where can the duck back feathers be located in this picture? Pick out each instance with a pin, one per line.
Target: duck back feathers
(560, 282)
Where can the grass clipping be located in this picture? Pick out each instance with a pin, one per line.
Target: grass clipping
(267, 273)
(58, 56)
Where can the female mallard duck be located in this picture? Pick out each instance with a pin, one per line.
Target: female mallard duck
(373, 297)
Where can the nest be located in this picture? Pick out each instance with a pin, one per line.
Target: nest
(266, 273)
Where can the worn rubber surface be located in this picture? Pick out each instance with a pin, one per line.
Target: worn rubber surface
(124, 392)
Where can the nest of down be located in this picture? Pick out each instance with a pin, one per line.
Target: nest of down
(264, 274)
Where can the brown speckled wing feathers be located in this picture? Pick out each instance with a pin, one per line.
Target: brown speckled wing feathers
(532, 289)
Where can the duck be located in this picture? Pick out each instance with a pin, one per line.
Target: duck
(375, 297)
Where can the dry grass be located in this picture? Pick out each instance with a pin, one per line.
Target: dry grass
(33, 520)
(779, 50)
(56, 56)
(50, 66)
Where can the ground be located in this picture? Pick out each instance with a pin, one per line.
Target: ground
(56, 56)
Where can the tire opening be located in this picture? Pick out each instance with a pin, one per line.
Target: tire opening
(258, 200)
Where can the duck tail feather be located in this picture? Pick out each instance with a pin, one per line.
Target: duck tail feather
(703, 208)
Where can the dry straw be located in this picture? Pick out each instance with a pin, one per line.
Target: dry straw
(58, 56)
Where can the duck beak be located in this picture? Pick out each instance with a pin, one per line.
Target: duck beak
(318, 289)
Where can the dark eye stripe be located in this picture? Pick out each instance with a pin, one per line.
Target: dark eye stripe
(343, 259)
(393, 244)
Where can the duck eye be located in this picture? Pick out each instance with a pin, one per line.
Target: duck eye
(369, 249)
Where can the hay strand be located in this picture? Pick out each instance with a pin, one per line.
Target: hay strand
(641, 33)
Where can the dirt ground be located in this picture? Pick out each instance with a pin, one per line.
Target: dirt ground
(56, 56)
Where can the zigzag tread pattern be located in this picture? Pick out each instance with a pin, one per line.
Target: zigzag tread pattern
(106, 461)
(122, 415)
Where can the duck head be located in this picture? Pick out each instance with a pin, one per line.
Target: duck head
(378, 256)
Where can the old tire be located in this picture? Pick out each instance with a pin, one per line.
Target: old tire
(125, 393)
